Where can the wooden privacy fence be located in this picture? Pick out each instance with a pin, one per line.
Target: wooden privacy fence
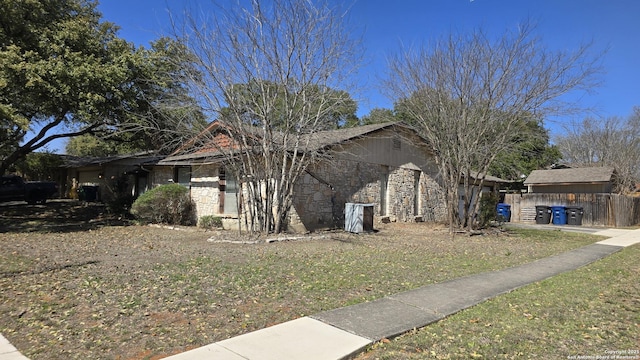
(599, 209)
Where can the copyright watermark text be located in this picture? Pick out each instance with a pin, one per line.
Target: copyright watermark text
(629, 354)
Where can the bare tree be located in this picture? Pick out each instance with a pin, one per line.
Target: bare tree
(612, 141)
(267, 73)
(470, 96)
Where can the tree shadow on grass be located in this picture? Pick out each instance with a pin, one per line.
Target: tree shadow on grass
(56, 267)
(56, 216)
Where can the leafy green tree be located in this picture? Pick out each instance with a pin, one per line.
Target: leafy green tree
(162, 114)
(61, 70)
(379, 115)
(344, 112)
(39, 166)
(65, 73)
(89, 145)
(252, 98)
(531, 151)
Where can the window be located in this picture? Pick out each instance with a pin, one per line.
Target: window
(182, 176)
(228, 192)
(230, 195)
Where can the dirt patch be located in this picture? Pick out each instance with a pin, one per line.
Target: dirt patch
(80, 284)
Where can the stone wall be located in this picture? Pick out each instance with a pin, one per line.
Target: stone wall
(321, 195)
(312, 205)
(204, 190)
(432, 199)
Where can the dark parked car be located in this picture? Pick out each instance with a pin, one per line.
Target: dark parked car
(14, 188)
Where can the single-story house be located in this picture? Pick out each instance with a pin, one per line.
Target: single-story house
(588, 180)
(388, 165)
(135, 171)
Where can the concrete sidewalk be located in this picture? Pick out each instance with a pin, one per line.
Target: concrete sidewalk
(8, 351)
(340, 333)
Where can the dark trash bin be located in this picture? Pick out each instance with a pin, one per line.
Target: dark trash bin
(543, 214)
(504, 212)
(574, 215)
(88, 193)
(559, 215)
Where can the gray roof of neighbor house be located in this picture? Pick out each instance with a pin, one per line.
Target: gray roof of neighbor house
(489, 178)
(570, 176)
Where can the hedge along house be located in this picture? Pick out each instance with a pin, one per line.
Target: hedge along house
(387, 165)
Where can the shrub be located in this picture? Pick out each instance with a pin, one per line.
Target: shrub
(488, 203)
(165, 204)
(117, 196)
(210, 221)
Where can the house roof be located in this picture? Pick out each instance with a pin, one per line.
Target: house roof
(143, 158)
(489, 178)
(313, 142)
(570, 176)
(328, 138)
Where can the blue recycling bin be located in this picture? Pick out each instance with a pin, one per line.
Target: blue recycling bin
(559, 215)
(504, 212)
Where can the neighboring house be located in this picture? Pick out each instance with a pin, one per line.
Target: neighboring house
(586, 193)
(102, 172)
(490, 184)
(387, 165)
(588, 180)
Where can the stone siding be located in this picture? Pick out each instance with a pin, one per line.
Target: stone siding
(432, 199)
(321, 195)
(204, 190)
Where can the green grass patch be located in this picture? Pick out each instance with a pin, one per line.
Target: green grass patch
(592, 311)
(13, 264)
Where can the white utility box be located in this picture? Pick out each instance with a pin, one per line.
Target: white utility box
(358, 217)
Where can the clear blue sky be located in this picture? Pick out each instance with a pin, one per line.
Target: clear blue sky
(385, 24)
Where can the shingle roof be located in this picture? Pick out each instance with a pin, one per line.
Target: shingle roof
(323, 139)
(568, 176)
(477, 176)
(316, 141)
(145, 157)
